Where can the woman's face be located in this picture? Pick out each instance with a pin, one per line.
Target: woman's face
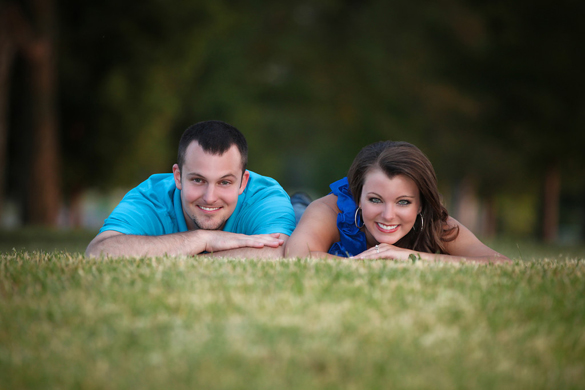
(389, 206)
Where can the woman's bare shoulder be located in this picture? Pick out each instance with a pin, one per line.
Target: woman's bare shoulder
(328, 201)
(317, 229)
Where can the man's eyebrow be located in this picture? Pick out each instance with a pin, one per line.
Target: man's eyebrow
(202, 176)
(229, 175)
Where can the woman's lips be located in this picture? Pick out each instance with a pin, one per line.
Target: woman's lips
(387, 228)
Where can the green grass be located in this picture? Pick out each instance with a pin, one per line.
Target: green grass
(71, 322)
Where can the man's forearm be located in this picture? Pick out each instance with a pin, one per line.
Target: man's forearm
(187, 243)
(112, 243)
(249, 253)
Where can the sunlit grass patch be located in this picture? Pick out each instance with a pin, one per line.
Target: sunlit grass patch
(69, 321)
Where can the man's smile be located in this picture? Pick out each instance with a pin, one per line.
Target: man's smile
(209, 209)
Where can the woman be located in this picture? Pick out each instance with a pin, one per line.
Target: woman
(388, 207)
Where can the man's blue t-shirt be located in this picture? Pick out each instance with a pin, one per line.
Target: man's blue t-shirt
(154, 208)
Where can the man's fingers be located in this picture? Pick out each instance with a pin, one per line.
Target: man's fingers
(256, 241)
(270, 240)
(219, 241)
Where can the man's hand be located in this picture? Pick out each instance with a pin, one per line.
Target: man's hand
(248, 252)
(220, 241)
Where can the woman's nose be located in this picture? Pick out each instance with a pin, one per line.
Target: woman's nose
(388, 213)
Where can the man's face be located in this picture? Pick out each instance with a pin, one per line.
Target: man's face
(210, 185)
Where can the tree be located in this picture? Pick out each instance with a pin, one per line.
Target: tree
(533, 64)
(34, 38)
(7, 52)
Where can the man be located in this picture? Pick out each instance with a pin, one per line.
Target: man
(210, 204)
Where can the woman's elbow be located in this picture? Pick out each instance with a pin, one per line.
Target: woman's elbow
(295, 249)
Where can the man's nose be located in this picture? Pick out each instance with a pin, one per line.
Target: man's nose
(210, 196)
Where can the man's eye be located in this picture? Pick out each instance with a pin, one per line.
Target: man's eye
(225, 183)
(197, 180)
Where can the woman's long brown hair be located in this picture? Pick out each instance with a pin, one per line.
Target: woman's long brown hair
(403, 158)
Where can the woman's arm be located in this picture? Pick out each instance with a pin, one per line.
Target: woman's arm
(468, 246)
(316, 231)
(465, 247)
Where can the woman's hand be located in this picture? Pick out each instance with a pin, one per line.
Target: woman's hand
(387, 251)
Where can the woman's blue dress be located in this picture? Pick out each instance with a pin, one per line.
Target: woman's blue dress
(352, 241)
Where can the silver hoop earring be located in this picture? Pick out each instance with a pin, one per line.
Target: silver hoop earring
(355, 218)
(422, 222)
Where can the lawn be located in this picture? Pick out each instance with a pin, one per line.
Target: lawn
(71, 322)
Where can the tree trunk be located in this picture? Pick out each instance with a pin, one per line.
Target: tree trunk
(44, 193)
(6, 58)
(582, 236)
(551, 199)
(75, 208)
(467, 209)
(37, 45)
(489, 220)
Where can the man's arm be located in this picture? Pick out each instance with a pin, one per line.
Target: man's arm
(112, 243)
(254, 253)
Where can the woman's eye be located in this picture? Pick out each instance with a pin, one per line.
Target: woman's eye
(375, 200)
(403, 202)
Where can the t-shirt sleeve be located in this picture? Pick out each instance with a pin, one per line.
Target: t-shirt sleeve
(268, 211)
(136, 214)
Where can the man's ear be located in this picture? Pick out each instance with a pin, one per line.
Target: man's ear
(177, 175)
(244, 183)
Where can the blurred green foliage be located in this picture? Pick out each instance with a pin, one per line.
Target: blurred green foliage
(480, 87)
(37, 239)
(491, 90)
